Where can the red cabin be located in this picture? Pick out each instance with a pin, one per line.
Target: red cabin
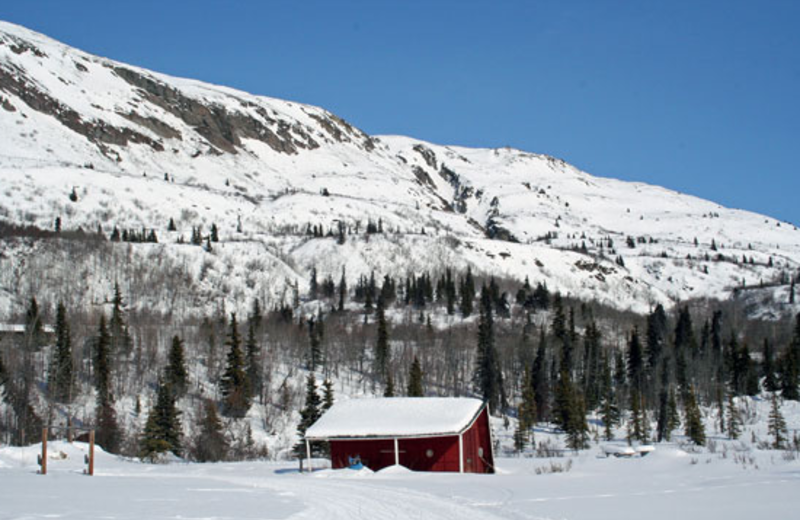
(420, 433)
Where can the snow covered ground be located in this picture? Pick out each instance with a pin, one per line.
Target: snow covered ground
(669, 483)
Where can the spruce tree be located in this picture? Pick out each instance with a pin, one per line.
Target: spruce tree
(234, 386)
(777, 424)
(314, 345)
(467, 294)
(577, 429)
(520, 433)
(327, 395)
(313, 285)
(162, 432)
(635, 363)
(768, 368)
(308, 416)
(175, 374)
(61, 383)
(253, 361)
(636, 426)
(734, 419)
(415, 388)
(388, 390)
(108, 433)
(693, 428)
(526, 412)
(102, 362)
(673, 417)
(488, 378)
(342, 291)
(120, 343)
(214, 233)
(541, 380)
(210, 444)
(382, 352)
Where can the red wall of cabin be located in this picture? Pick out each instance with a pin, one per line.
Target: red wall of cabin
(415, 454)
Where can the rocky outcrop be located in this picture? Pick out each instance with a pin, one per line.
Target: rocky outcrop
(98, 132)
(222, 128)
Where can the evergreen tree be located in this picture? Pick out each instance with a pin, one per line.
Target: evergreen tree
(102, 362)
(214, 233)
(541, 380)
(162, 432)
(637, 430)
(520, 436)
(61, 383)
(253, 360)
(415, 388)
(526, 412)
(577, 427)
(234, 386)
(171, 225)
(694, 428)
(308, 416)
(656, 332)
(120, 343)
(734, 419)
(382, 352)
(789, 366)
(777, 424)
(313, 285)
(210, 444)
(673, 417)
(388, 390)
(450, 291)
(467, 293)
(768, 368)
(314, 345)
(108, 433)
(327, 397)
(488, 378)
(635, 362)
(176, 376)
(342, 291)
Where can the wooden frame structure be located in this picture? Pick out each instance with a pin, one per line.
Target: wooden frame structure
(88, 459)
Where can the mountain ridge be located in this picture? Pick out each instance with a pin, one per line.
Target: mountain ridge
(139, 148)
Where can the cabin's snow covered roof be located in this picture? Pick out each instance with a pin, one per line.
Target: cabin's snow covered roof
(396, 417)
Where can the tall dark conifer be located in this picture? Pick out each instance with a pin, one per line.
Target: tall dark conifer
(488, 378)
(382, 352)
(415, 388)
(234, 386)
(176, 377)
(60, 380)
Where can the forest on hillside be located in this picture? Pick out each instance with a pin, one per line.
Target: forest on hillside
(150, 383)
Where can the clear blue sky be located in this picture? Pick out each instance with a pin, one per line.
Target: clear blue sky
(699, 96)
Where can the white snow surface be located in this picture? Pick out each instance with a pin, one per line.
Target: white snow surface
(667, 484)
(396, 417)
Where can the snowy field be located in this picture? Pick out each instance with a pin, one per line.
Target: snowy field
(667, 484)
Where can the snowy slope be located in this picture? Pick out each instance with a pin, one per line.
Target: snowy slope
(139, 148)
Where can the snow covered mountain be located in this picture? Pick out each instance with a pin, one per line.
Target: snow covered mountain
(94, 142)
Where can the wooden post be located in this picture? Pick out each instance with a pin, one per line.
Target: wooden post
(396, 452)
(91, 453)
(308, 454)
(461, 453)
(43, 471)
